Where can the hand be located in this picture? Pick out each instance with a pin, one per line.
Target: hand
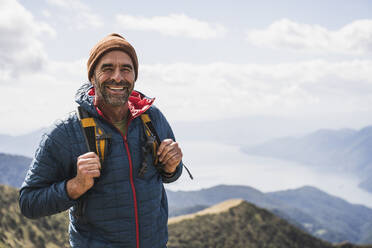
(170, 155)
(88, 168)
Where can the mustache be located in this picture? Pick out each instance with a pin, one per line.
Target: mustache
(114, 83)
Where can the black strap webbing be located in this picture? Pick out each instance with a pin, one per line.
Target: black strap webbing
(151, 131)
(95, 138)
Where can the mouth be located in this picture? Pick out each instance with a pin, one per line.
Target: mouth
(118, 89)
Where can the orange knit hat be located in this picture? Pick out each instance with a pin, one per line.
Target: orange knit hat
(109, 43)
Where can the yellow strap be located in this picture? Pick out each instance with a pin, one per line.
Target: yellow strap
(88, 122)
(146, 119)
(100, 144)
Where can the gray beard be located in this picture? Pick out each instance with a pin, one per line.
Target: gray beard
(110, 99)
(115, 100)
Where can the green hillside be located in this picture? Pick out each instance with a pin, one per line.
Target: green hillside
(19, 232)
(241, 226)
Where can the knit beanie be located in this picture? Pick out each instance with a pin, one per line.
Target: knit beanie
(109, 43)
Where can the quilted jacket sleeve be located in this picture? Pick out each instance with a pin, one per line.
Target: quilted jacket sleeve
(44, 190)
(166, 132)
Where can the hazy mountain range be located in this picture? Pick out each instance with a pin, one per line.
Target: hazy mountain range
(346, 150)
(21, 145)
(240, 224)
(234, 223)
(13, 169)
(320, 214)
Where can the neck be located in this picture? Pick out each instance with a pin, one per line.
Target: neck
(113, 113)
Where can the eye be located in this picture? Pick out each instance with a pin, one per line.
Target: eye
(126, 69)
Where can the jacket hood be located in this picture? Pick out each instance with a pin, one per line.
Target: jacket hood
(138, 103)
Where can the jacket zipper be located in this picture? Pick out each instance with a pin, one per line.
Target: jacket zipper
(131, 181)
(133, 187)
(130, 176)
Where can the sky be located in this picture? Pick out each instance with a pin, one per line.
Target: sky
(302, 62)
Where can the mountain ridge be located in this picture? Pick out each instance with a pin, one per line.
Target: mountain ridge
(309, 220)
(242, 224)
(344, 150)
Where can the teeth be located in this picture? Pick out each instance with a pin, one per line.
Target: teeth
(116, 88)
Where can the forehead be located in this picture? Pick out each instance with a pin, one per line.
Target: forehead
(115, 57)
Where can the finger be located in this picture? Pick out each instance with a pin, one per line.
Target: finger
(90, 163)
(168, 148)
(167, 155)
(87, 172)
(89, 167)
(92, 173)
(88, 155)
(172, 148)
(165, 151)
(164, 144)
(172, 158)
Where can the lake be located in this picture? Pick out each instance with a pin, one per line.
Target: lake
(212, 164)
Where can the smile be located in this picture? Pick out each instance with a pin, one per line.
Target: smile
(116, 88)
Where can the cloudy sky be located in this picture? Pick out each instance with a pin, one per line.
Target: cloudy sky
(308, 61)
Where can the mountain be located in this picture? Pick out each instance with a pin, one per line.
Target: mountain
(177, 211)
(18, 231)
(13, 169)
(23, 144)
(335, 214)
(325, 216)
(239, 224)
(216, 194)
(343, 150)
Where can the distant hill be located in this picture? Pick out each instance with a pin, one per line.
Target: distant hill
(16, 231)
(239, 225)
(343, 150)
(325, 216)
(13, 169)
(333, 213)
(177, 211)
(233, 228)
(23, 144)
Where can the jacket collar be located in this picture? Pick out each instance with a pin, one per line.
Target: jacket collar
(138, 103)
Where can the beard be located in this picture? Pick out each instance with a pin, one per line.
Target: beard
(113, 99)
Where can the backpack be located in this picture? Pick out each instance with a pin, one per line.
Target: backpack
(97, 140)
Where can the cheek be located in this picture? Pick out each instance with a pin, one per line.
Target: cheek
(101, 77)
(130, 76)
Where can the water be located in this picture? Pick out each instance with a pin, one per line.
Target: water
(212, 164)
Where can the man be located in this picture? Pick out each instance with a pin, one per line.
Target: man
(115, 203)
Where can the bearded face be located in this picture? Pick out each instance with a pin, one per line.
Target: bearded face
(113, 79)
(113, 93)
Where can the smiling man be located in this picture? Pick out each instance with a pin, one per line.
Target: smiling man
(115, 200)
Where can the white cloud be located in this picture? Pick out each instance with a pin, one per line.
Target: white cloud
(217, 91)
(40, 97)
(353, 38)
(173, 25)
(20, 49)
(77, 14)
(203, 92)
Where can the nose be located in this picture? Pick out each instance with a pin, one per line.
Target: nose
(116, 76)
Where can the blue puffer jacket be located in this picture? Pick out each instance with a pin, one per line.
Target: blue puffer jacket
(121, 209)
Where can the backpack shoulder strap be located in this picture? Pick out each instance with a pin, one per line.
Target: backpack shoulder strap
(151, 133)
(95, 138)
